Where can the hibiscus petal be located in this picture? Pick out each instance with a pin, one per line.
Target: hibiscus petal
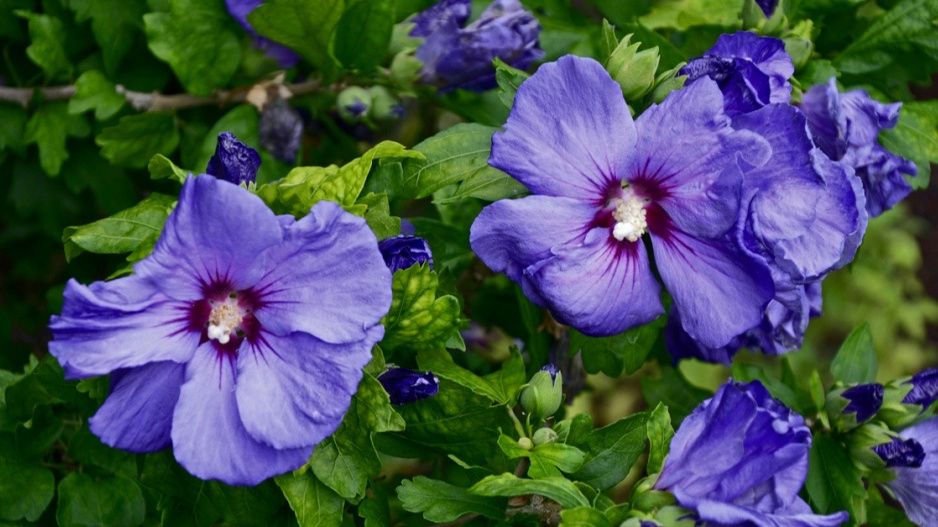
(569, 132)
(217, 234)
(720, 290)
(917, 488)
(688, 164)
(511, 235)
(308, 381)
(119, 324)
(209, 439)
(138, 414)
(728, 514)
(600, 288)
(327, 278)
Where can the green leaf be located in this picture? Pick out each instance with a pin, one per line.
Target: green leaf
(306, 27)
(345, 460)
(584, 517)
(454, 421)
(47, 45)
(612, 451)
(672, 389)
(560, 490)
(659, 432)
(439, 361)
(375, 509)
(114, 24)
(49, 127)
(856, 362)
(509, 378)
(439, 501)
(575, 430)
(109, 500)
(87, 448)
(509, 80)
(490, 185)
(833, 483)
(611, 354)
(12, 129)
(122, 232)
(93, 91)
(194, 40)
(778, 389)
(160, 167)
(26, 487)
(685, 14)
(547, 459)
(315, 504)
(417, 319)
(363, 34)
(136, 138)
(378, 215)
(373, 405)
(453, 155)
(908, 26)
(43, 383)
(915, 137)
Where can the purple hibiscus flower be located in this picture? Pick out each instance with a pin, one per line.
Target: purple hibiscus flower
(846, 127)
(461, 57)
(916, 488)
(233, 161)
(239, 10)
(600, 182)
(401, 252)
(751, 70)
(740, 459)
(239, 341)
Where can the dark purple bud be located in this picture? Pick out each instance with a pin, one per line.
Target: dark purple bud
(281, 129)
(408, 386)
(924, 388)
(768, 6)
(403, 251)
(865, 400)
(441, 14)
(233, 161)
(901, 453)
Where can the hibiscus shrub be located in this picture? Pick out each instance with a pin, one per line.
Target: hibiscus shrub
(507, 262)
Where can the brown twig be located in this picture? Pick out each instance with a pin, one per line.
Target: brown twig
(153, 101)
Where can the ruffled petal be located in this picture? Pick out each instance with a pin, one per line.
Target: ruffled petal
(218, 234)
(719, 513)
(601, 287)
(209, 439)
(327, 278)
(766, 53)
(720, 290)
(119, 324)
(688, 159)
(511, 235)
(569, 132)
(138, 414)
(308, 381)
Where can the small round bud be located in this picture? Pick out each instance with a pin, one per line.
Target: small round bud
(384, 105)
(353, 103)
(542, 436)
(526, 443)
(544, 393)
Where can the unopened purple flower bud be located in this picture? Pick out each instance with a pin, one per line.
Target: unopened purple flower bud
(281, 129)
(865, 400)
(552, 370)
(233, 161)
(767, 6)
(924, 388)
(403, 251)
(901, 453)
(408, 386)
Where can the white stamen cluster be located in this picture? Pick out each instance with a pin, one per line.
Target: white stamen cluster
(224, 319)
(630, 219)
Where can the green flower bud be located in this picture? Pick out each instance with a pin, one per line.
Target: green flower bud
(525, 443)
(634, 70)
(800, 50)
(405, 69)
(860, 443)
(353, 103)
(543, 436)
(667, 82)
(543, 395)
(384, 105)
(896, 413)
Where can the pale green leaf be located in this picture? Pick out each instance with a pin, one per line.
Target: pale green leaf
(122, 232)
(659, 432)
(856, 361)
(439, 501)
(417, 318)
(561, 490)
(452, 156)
(314, 504)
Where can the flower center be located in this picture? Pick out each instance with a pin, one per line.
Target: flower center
(630, 218)
(225, 319)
